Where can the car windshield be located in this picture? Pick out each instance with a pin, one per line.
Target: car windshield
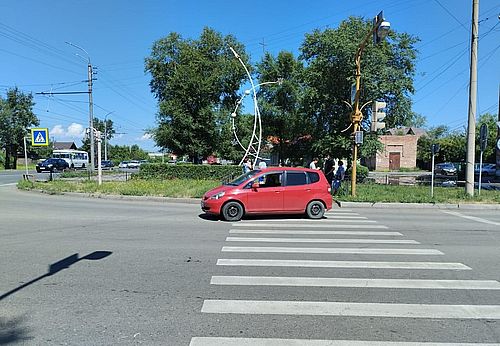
(242, 178)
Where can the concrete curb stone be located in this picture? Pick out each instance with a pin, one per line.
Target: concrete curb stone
(463, 206)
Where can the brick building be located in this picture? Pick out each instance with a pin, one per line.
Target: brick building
(400, 150)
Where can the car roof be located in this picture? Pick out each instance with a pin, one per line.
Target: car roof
(288, 169)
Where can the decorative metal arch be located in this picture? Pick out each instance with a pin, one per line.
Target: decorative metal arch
(254, 144)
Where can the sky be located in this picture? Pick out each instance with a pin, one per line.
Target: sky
(117, 35)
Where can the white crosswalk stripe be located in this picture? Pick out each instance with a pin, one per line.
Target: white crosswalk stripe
(341, 264)
(354, 282)
(322, 250)
(319, 224)
(226, 341)
(281, 231)
(351, 309)
(322, 240)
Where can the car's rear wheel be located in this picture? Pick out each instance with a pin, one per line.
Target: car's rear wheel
(232, 211)
(315, 210)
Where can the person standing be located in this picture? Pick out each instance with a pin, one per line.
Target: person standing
(313, 163)
(247, 165)
(329, 169)
(339, 176)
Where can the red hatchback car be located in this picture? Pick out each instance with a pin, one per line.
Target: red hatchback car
(277, 190)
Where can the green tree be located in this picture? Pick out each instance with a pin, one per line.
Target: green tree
(119, 153)
(451, 143)
(16, 117)
(283, 118)
(195, 83)
(489, 154)
(387, 73)
(106, 128)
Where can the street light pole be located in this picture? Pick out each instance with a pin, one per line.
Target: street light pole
(357, 115)
(91, 106)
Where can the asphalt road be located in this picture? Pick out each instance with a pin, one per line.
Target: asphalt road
(82, 271)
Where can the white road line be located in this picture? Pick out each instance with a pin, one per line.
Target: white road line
(354, 282)
(329, 250)
(320, 224)
(328, 213)
(341, 264)
(282, 231)
(473, 218)
(345, 217)
(351, 309)
(9, 184)
(305, 221)
(226, 341)
(322, 240)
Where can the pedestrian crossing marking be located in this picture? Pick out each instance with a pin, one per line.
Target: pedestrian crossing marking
(341, 264)
(356, 282)
(322, 250)
(304, 221)
(228, 341)
(320, 224)
(305, 308)
(281, 231)
(321, 240)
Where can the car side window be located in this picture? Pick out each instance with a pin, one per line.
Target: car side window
(295, 178)
(270, 180)
(313, 177)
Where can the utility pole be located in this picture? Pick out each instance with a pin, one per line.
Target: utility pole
(497, 143)
(263, 44)
(91, 119)
(471, 125)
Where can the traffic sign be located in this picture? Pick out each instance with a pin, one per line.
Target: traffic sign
(40, 137)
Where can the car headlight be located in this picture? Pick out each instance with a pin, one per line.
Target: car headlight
(218, 195)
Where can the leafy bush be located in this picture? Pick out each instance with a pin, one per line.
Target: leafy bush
(361, 173)
(205, 172)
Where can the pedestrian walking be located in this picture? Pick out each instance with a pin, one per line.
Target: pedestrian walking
(339, 176)
(329, 169)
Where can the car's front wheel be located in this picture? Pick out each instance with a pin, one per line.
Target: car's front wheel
(232, 211)
(315, 210)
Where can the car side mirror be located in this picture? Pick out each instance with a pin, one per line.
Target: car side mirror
(255, 185)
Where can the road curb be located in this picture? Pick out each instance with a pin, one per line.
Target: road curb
(464, 206)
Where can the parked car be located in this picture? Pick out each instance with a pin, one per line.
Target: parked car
(133, 164)
(278, 190)
(445, 168)
(106, 164)
(487, 169)
(52, 165)
(123, 164)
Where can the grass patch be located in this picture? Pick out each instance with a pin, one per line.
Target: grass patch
(136, 187)
(192, 188)
(418, 194)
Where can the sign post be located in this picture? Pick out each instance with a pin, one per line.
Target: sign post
(434, 151)
(483, 143)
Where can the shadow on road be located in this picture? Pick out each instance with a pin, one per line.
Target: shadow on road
(58, 266)
(13, 331)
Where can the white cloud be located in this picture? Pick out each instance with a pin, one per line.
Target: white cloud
(76, 130)
(72, 131)
(145, 137)
(58, 130)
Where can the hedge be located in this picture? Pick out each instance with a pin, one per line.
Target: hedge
(188, 171)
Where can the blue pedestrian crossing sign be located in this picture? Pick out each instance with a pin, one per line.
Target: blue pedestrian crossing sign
(40, 137)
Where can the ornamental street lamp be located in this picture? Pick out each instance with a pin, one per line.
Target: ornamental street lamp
(379, 32)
